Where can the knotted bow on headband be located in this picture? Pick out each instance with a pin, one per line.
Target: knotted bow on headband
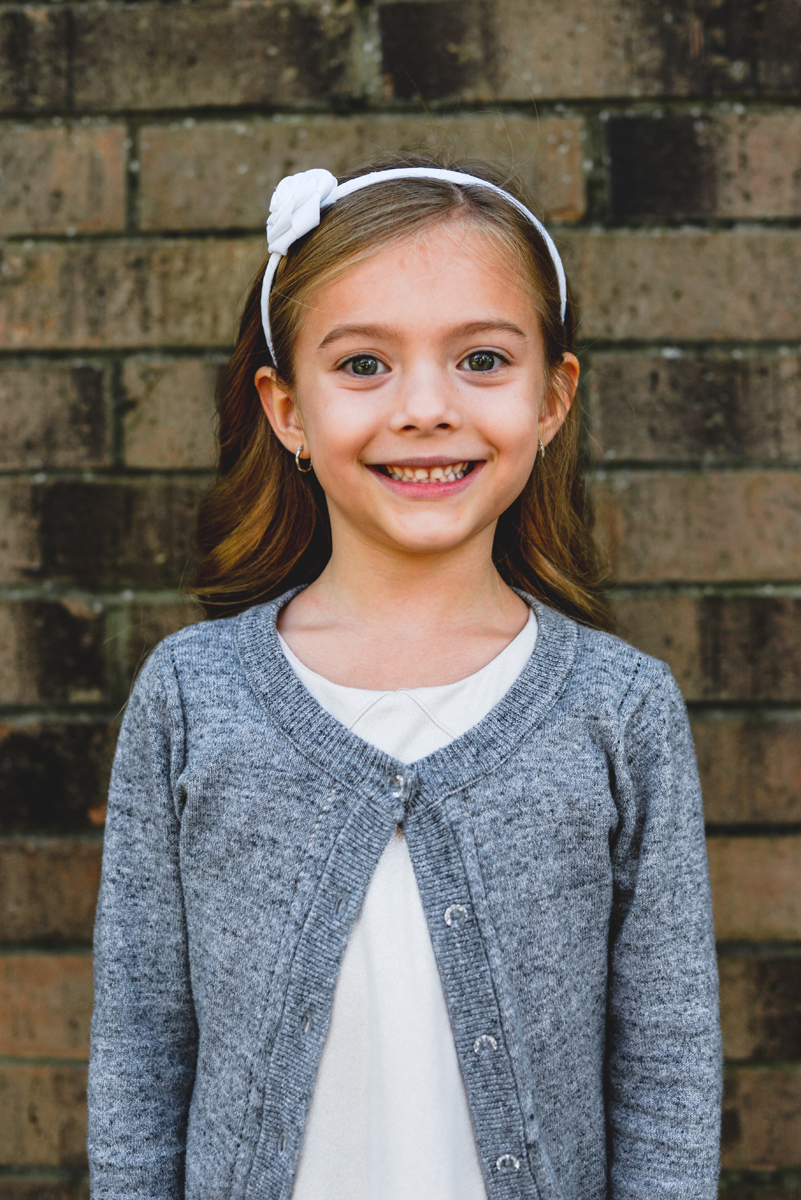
(298, 200)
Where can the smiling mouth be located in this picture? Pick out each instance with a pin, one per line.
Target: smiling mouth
(448, 473)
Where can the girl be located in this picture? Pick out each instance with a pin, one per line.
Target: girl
(404, 889)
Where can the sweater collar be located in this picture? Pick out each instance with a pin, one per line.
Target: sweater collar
(361, 767)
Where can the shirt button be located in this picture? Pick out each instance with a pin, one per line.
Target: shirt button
(507, 1163)
(396, 787)
(484, 1044)
(456, 915)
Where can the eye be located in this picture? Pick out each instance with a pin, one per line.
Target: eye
(483, 361)
(363, 365)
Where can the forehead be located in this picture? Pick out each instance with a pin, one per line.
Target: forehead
(449, 272)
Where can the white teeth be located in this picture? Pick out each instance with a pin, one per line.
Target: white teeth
(448, 474)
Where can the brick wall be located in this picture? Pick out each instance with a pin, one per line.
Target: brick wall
(139, 144)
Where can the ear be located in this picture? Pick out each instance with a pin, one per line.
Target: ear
(279, 405)
(559, 397)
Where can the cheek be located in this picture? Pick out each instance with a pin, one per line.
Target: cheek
(513, 424)
(339, 427)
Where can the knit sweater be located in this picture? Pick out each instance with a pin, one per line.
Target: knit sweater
(559, 852)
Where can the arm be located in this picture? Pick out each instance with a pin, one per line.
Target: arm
(663, 1062)
(144, 1034)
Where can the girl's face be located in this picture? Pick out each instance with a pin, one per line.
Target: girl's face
(420, 391)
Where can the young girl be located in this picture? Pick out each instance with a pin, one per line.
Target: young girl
(404, 894)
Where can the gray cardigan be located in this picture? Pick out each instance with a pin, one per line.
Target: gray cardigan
(559, 851)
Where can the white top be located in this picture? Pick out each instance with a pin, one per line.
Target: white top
(389, 1117)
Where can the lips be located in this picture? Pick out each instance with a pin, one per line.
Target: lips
(441, 473)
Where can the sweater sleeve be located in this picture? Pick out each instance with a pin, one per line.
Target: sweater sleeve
(663, 1060)
(144, 1033)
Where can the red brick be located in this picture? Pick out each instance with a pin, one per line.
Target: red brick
(750, 769)
(95, 533)
(169, 412)
(46, 1002)
(54, 416)
(18, 532)
(34, 65)
(62, 179)
(719, 164)
(31, 1188)
(143, 56)
(54, 776)
(721, 647)
(756, 888)
(760, 1008)
(49, 890)
(754, 1190)
(686, 285)
(51, 652)
(44, 1116)
(511, 50)
(220, 174)
(701, 528)
(762, 1118)
(758, 164)
(712, 407)
(126, 293)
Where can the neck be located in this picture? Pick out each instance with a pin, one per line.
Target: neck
(374, 588)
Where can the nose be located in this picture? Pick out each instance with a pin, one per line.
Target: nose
(426, 402)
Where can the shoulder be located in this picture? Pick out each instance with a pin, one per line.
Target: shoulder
(193, 660)
(610, 672)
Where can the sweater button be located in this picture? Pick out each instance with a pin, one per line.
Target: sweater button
(396, 786)
(455, 916)
(507, 1163)
(484, 1044)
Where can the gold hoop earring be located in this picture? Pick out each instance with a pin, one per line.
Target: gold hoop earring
(542, 449)
(303, 470)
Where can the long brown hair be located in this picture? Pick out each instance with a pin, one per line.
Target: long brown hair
(263, 527)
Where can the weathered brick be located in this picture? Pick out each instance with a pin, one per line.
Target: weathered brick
(137, 533)
(518, 49)
(126, 293)
(760, 1008)
(51, 652)
(169, 412)
(756, 888)
(54, 415)
(677, 284)
(762, 1118)
(711, 407)
(149, 623)
(182, 292)
(732, 1187)
(44, 1122)
(46, 1001)
(750, 769)
(62, 179)
(220, 174)
(719, 164)
(49, 889)
(34, 67)
(704, 528)
(54, 778)
(721, 647)
(144, 56)
(28, 1187)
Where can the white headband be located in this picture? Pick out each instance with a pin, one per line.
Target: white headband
(297, 201)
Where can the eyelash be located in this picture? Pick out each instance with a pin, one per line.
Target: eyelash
(361, 357)
(502, 361)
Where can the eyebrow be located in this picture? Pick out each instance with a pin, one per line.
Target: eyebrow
(385, 331)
